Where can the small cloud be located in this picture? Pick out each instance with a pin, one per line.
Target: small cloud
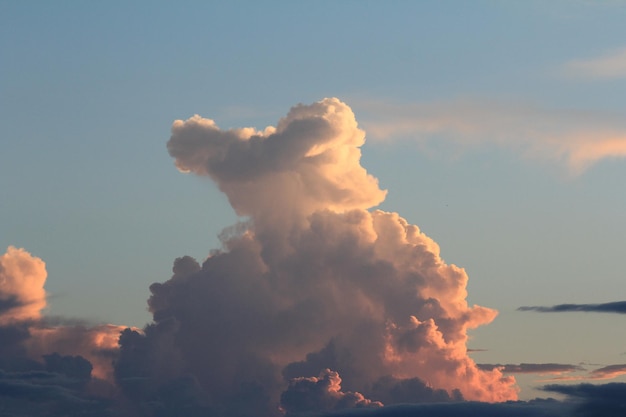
(609, 372)
(618, 307)
(604, 373)
(608, 66)
(532, 368)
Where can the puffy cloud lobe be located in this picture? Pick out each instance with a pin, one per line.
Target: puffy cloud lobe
(312, 281)
(309, 162)
(22, 296)
(321, 393)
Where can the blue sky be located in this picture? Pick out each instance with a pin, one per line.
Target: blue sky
(474, 109)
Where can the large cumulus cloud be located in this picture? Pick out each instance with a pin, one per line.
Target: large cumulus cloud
(312, 281)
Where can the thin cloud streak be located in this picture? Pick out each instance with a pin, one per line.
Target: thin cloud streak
(532, 368)
(618, 307)
(604, 373)
(575, 139)
(611, 65)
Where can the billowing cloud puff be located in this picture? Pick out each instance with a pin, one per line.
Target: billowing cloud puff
(311, 281)
(22, 296)
(323, 393)
(308, 162)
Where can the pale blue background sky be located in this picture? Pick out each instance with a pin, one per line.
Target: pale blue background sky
(88, 92)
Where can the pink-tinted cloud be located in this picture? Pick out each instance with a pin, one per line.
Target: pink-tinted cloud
(606, 372)
(98, 344)
(308, 162)
(573, 138)
(22, 296)
(313, 280)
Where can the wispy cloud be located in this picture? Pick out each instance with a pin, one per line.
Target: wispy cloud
(611, 65)
(609, 372)
(618, 307)
(604, 373)
(532, 368)
(574, 138)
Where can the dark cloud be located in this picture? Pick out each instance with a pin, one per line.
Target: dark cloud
(582, 400)
(533, 368)
(606, 400)
(618, 307)
(61, 387)
(534, 408)
(323, 393)
(390, 390)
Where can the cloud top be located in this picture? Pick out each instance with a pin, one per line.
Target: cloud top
(308, 162)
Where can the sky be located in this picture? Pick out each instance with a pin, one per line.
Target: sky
(495, 127)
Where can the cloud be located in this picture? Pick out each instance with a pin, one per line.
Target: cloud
(582, 400)
(618, 307)
(26, 334)
(604, 373)
(608, 66)
(532, 368)
(22, 296)
(311, 280)
(323, 393)
(533, 408)
(308, 162)
(98, 344)
(609, 372)
(575, 139)
(316, 303)
(606, 400)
